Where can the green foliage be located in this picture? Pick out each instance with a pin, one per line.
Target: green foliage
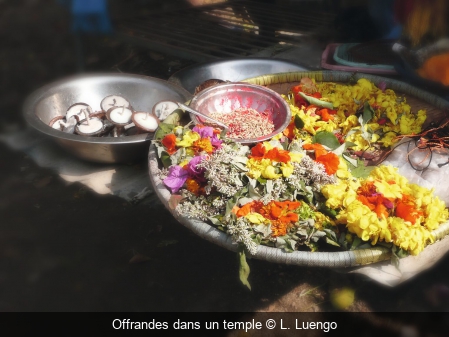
(327, 138)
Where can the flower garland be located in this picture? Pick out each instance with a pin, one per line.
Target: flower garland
(305, 188)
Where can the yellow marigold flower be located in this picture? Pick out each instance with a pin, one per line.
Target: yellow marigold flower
(391, 114)
(326, 126)
(335, 194)
(388, 190)
(256, 218)
(390, 173)
(436, 213)
(389, 139)
(342, 171)
(256, 167)
(287, 169)
(296, 157)
(309, 122)
(410, 238)
(374, 126)
(270, 173)
(357, 138)
(188, 139)
(268, 146)
(364, 83)
(350, 123)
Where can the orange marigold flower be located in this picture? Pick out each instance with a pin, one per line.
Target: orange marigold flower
(289, 131)
(253, 206)
(381, 210)
(169, 142)
(406, 209)
(289, 218)
(258, 151)
(275, 211)
(317, 147)
(203, 144)
(193, 186)
(364, 200)
(291, 205)
(281, 156)
(325, 114)
(330, 162)
(278, 228)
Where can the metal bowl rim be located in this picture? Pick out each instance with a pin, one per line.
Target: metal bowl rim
(271, 92)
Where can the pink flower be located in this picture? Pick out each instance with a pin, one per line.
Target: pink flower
(193, 171)
(204, 131)
(176, 178)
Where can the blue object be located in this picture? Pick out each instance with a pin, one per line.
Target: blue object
(90, 16)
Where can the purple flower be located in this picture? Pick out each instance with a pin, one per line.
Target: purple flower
(193, 171)
(216, 142)
(204, 132)
(388, 204)
(176, 178)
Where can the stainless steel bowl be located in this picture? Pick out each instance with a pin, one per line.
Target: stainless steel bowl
(234, 70)
(54, 99)
(225, 98)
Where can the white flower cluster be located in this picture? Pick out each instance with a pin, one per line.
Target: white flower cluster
(311, 173)
(200, 207)
(221, 173)
(240, 231)
(275, 192)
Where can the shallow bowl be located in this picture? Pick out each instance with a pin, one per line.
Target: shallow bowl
(231, 69)
(53, 100)
(225, 98)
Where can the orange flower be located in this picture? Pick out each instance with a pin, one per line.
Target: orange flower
(330, 162)
(193, 186)
(275, 154)
(364, 200)
(289, 131)
(244, 210)
(203, 144)
(278, 228)
(317, 147)
(258, 151)
(169, 142)
(406, 209)
(289, 218)
(291, 205)
(325, 114)
(275, 211)
(253, 206)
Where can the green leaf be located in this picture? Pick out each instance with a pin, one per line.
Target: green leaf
(356, 242)
(362, 171)
(163, 129)
(327, 211)
(331, 242)
(328, 139)
(165, 159)
(354, 163)
(299, 123)
(368, 112)
(244, 269)
(174, 117)
(316, 101)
